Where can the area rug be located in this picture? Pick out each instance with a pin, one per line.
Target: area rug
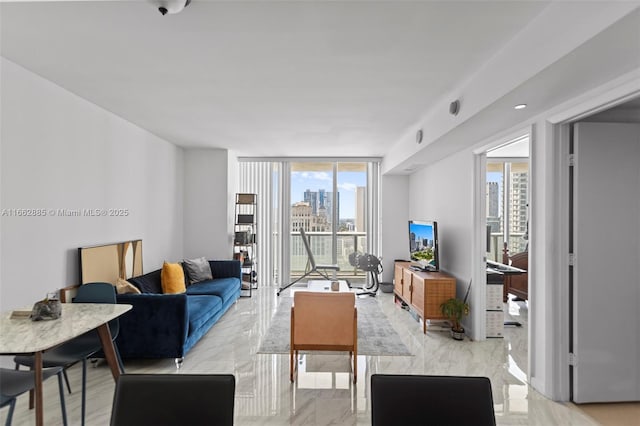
(376, 335)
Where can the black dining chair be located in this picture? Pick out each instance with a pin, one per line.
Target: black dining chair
(14, 383)
(173, 399)
(407, 400)
(82, 347)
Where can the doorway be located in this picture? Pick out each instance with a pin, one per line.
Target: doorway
(604, 245)
(502, 230)
(507, 199)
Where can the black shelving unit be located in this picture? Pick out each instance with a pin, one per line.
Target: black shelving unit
(244, 242)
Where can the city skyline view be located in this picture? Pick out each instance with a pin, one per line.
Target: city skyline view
(422, 231)
(348, 182)
(507, 198)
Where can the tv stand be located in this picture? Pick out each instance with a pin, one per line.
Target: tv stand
(423, 291)
(419, 268)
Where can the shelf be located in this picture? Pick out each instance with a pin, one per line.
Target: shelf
(244, 244)
(245, 199)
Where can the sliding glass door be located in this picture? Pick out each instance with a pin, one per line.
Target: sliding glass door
(335, 202)
(329, 201)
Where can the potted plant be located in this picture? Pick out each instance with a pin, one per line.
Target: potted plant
(455, 310)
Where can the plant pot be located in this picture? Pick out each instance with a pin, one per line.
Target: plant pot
(457, 334)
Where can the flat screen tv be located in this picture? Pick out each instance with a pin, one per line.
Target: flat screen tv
(423, 245)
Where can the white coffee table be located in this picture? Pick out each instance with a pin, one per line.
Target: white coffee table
(321, 285)
(325, 285)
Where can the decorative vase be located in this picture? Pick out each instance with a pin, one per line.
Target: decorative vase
(457, 334)
(47, 309)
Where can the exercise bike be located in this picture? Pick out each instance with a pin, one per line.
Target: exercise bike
(369, 263)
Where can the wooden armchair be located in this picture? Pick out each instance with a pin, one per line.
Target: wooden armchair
(324, 321)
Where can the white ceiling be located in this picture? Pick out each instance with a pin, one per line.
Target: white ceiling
(517, 149)
(264, 78)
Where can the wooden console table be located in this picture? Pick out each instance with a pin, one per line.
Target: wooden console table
(423, 291)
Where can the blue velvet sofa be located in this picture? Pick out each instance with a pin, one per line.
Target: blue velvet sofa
(169, 325)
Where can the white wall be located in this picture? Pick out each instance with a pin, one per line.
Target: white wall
(447, 189)
(545, 308)
(59, 151)
(444, 192)
(447, 186)
(233, 187)
(206, 181)
(394, 217)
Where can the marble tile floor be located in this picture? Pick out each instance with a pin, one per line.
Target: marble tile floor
(324, 393)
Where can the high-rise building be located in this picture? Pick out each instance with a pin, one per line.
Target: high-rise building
(301, 216)
(493, 199)
(321, 203)
(518, 215)
(311, 197)
(360, 211)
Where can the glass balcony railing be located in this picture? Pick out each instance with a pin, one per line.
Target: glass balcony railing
(321, 247)
(516, 244)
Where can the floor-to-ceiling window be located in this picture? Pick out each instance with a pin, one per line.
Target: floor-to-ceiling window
(328, 201)
(334, 201)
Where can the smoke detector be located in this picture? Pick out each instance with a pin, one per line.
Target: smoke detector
(170, 6)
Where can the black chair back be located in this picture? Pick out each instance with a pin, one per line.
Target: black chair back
(173, 399)
(431, 400)
(99, 293)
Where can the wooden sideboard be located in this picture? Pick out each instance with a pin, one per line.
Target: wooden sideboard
(423, 291)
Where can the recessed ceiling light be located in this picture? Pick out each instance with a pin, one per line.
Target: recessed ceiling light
(520, 106)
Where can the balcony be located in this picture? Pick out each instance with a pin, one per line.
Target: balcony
(517, 244)
(320, 243)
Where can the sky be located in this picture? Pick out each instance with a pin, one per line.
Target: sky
(497, 177)
(421, 231)
(347, 184)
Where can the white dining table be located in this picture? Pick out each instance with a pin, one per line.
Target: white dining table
(23, 336)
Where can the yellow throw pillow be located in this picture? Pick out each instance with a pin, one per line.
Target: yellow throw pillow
(172, 278)
(124, 287)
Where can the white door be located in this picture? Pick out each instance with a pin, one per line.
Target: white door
(606, 273)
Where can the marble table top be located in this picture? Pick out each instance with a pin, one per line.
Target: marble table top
(26, 336)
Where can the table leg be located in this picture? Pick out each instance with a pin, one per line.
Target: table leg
(108, 349)
(38, 388)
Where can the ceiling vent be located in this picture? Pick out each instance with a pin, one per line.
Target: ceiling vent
(454, 107)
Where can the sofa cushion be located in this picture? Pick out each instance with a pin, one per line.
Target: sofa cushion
(201, 310)
(223, 287)
(123, 287)
(148, 283)
(197, 270)
(172, 278)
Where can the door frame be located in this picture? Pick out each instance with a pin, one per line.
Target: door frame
(479, 255)
(556, 381)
